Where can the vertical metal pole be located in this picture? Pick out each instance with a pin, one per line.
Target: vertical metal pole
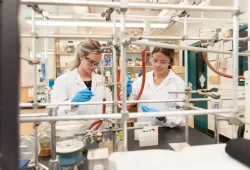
(53, 162)
(186, 70)
(53, 141)
(46, 53)
(216, 105)
(114, 65)
(235, 64)
(114, 71)
(34, 56)
(34, 84)
(124, 79)
(248, 34)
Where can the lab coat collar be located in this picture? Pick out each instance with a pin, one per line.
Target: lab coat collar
(150, 79)
(79, 80)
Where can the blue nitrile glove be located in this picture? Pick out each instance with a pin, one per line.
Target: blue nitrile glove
(129, 85)
(83, 96)
(146, 109)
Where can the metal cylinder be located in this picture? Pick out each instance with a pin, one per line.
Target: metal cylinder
(125, 135)
(114, 69)
(53, 163)
(235, 63)
(67, 118)
(124, 79)
(186, 69)
(53, 140)
(216, 105)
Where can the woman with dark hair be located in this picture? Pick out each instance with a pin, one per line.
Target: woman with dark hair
(158, 83)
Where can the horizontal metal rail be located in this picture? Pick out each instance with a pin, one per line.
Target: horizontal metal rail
(132, 5)
(183, 47)
(131, 115)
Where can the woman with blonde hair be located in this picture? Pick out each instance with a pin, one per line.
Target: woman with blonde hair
(82, 84)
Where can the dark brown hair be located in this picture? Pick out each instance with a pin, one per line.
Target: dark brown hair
(167, 52)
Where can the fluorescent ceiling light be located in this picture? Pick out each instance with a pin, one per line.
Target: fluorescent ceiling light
(95, 24)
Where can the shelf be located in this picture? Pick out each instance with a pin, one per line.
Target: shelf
(138, 66)
(66, 54)
(61, 66)
(128, 52)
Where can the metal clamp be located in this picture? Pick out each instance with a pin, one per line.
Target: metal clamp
(52, 110)
(235, 121)
(124, 37)
(125, 115)
(35, 105)
(185, 37)
(34, 35)
(124, 5)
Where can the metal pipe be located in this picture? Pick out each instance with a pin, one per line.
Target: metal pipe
(125, 134)
(33, 115)
(178, 92)
(53, 162)
(34, 56)
(130, 115)
(173, 46)
(182, 113)
(157, 18)
(132, 5)
(114, 79)
(132, 18)
(123, 62)
(66, 36)
(186, 69)
(235, 63)
(196, 108)
(67, 118)
(114, 69)
(131, 101)
(110, 37)
(188, 38)
(216, 105)
(53, 140)
(124, 78)
(248, 32)
(35, 125)
(245, 121)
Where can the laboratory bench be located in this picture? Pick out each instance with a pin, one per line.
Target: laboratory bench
(166, 136)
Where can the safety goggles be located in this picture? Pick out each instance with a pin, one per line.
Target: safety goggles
(92, 62)
(155, 61)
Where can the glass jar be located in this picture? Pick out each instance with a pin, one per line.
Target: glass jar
(133, 62)
(137, 62)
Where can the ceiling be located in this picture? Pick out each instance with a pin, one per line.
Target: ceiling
(77, 13)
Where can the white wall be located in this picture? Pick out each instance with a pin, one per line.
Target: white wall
(225, 87)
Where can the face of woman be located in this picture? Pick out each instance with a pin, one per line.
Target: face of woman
(90, 62)
(160, 62)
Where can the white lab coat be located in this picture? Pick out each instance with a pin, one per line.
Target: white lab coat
(171, 83)
(67, 85)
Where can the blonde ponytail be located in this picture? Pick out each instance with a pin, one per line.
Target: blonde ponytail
(83, 49)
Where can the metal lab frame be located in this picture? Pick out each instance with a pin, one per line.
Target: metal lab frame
(124, 5)
(158, 38)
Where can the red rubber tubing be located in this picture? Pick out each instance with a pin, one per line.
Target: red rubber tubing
(204, 55)
(98, 123)
(143, 53)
